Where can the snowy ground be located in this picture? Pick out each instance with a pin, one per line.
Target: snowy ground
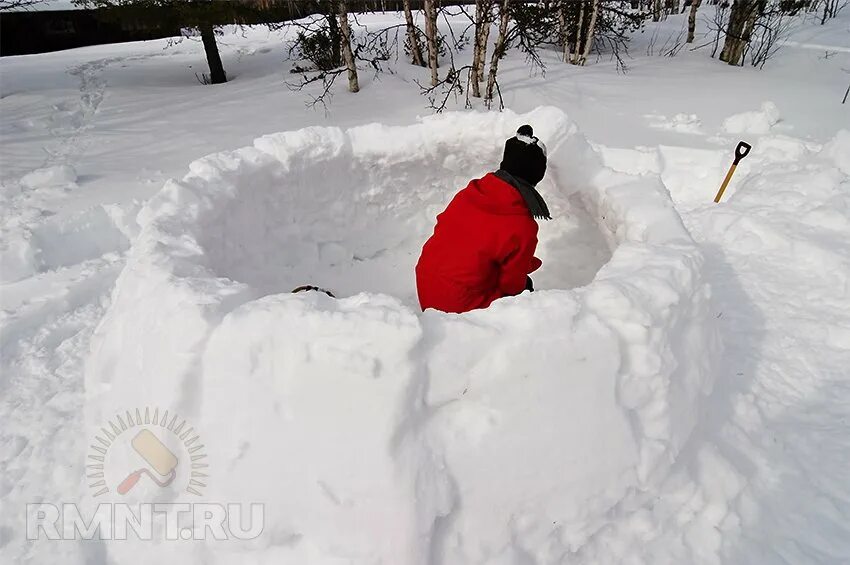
(176, 307)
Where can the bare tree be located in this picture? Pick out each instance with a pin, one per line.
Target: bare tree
(18, 5)
(430, 9)
(585, 31)
(831, 9)
(413, 36)
(478, 54)
(483, 20)
(485, 36)
(590, 34)
(564, 32)
(718, 24)
(581, 27)
(742, 19)
(671, 7)
(204, 16)
(217, 75)
(585, 26)
(498, 50)
(755, 28)
(692, 19)
(771, 25)
(577, 43)
(345, 46)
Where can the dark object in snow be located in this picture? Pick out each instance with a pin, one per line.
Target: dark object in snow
(307, 288)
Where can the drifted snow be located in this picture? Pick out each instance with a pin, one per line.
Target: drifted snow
(754, 122)
(56, 175)
(374, 432)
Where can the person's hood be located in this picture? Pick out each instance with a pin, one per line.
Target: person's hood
(495, 196)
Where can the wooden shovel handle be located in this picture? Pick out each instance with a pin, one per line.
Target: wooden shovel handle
(741, 151)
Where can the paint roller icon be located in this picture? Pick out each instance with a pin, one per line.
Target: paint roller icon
(156, 455)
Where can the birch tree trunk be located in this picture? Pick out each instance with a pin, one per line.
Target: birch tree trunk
(749, 26)
(742, 13)
(412, 38)
(485, 37)
(345, 44)
(431, 38)
(692, 19)
(591, 31)
(498, 50)
(476, 51)
(479, 52)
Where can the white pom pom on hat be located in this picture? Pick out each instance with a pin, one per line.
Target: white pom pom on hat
(525, 133)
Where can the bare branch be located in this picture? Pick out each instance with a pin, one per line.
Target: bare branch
(19, 5)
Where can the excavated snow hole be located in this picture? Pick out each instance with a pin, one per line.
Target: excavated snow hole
(351, 230)
(349, 211)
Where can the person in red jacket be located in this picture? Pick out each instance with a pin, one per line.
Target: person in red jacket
(483, 244)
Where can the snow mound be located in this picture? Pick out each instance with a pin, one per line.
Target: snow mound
(57, 175)
(839, 150)
(374, 433)
(754, 122)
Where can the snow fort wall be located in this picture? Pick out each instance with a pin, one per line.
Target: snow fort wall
(376, 433)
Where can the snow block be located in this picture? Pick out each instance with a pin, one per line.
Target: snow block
(372, 432)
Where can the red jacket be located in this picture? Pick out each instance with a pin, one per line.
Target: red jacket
(482, 249)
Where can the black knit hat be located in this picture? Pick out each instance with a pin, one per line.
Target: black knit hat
(525, 156)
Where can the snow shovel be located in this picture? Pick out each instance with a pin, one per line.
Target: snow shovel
(741, 151)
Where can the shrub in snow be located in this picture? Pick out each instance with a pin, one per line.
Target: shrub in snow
(377, 433)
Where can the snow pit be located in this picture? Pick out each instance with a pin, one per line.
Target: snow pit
(372, 432)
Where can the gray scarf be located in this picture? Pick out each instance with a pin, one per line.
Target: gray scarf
(536, 204)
